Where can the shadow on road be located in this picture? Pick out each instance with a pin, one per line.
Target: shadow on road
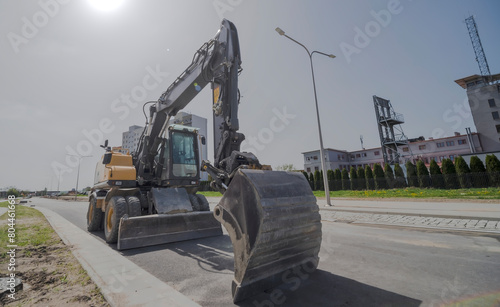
(214, 252)
(323, 288)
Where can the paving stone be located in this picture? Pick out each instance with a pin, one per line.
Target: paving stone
(471, 223)
(491, 224)
(481, 224)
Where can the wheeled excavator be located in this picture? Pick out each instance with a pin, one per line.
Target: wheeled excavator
(150, 197)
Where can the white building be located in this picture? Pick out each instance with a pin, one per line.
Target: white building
(417, 149)
(484, 101)
(130, 138)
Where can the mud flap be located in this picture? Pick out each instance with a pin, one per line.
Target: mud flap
(274, 224)
(157, 229)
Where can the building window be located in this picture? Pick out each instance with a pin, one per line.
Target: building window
(452, 157)
(498, 128)
(441, 158)
(426, 160)
(352, 157)
(491, 102)
(308, 169)
(462, 142)
(359, 155)
(377, 153)
(495, 115)
(316, 168)
(450, 143)
(364, 154)
(440, 144)
(421, 147)
(406, 149)
(315, 157)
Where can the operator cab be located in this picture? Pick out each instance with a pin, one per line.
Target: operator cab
(180, 156)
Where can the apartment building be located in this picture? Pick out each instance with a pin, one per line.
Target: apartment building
(417, 149)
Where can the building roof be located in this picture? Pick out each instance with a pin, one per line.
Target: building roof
(331, 149)
(463, 82)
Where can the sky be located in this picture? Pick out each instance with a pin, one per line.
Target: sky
(73, 74)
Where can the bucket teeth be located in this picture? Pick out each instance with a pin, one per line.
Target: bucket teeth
(274, 224)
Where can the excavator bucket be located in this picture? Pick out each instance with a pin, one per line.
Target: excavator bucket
(274, 224)
(157, 229)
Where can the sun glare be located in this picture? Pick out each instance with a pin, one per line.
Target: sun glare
(106, 5)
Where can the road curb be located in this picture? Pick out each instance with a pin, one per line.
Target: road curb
(122, 282)
(461, 217)
(472, 230)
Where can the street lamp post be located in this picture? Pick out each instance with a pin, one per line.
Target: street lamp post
(78, 172)
(321, 149)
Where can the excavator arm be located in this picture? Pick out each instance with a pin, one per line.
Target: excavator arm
(217, 62)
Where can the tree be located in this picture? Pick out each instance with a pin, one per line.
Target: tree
(463, 172)
(400, 181)
(449, 174)
(411, 174)
(478, 172)
(437, 180)
(13, 191)
(389, 175)
(338, 179)
(379, 176)
(331, 179)
(361, 178)
(354, 178)
(345, 179)
(317, 181)
(369, 178)
(493, 169)
(285, 167)
(311, 180)
(423, 174)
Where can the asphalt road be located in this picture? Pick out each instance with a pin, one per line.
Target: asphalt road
(359, 266)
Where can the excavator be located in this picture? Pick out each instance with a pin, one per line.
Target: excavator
(150, 197)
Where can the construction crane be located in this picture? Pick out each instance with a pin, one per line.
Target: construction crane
(478, 48)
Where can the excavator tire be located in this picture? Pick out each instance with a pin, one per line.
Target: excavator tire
(115, 210)
(94, 216)
(195, 204)
(202, 200)
(274, 224)
(133, 206)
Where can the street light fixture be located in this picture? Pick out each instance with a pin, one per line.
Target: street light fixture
(78, 172)
(321, 149)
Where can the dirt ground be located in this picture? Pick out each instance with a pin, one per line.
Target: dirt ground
(50, 273)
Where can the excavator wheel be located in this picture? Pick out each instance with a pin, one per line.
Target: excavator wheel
(195, 203)
(94, 216)
(133, 206)
(115, 210)
(202, 200)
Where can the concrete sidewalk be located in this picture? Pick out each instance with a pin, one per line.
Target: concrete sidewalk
(447, 208)
(431, 208)
(121, 281)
